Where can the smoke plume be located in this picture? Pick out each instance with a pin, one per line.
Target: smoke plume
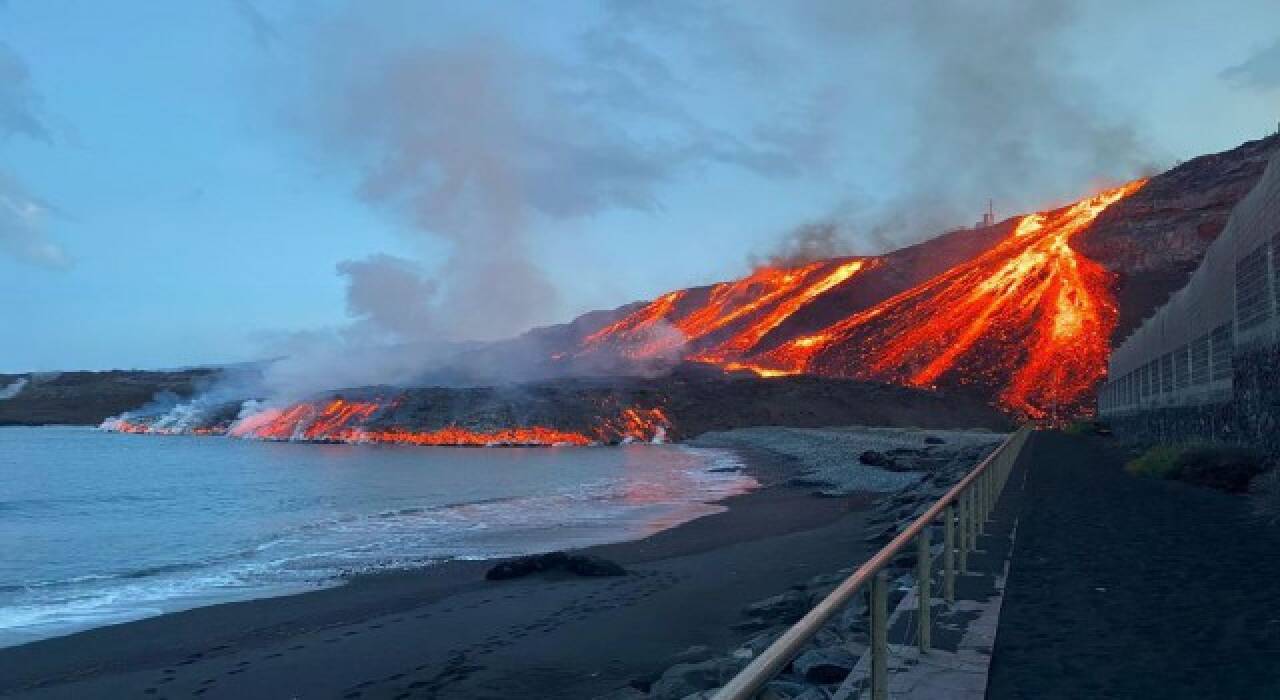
(23, 217)
(996, 112)
(816, 240)
(13, 389)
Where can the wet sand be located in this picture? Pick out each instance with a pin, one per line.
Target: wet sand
(446, 632)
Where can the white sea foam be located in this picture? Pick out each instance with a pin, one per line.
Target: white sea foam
(183, 523)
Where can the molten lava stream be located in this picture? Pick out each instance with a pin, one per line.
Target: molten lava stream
(1029, 318)
(339, 420)
(735, 316)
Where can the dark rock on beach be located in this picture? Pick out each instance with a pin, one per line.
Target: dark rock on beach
(579, 564)
(873, 458)
(683, 680)
(825, 665)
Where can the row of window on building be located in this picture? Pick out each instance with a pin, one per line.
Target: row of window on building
(1197, 364)
(1206, 360)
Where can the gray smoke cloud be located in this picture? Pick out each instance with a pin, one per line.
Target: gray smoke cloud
(1260, 71)
(472, 142)
(23, 217)
(13, 389)
(476, 142)
(815, 240)
(993, 107)
(262, 29)
(983, 99)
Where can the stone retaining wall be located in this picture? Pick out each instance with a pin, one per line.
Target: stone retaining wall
(1251, 417)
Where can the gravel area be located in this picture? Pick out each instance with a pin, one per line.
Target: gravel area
(839, 461)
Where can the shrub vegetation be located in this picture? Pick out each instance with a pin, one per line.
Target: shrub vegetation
(1221, 467)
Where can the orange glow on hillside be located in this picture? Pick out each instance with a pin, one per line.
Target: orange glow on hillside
(732, 320)
(1029, 318)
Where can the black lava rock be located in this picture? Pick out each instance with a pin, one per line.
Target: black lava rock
(593, 566)
(580, 564)
(871, 458)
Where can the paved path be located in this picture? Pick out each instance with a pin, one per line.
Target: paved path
(1123, 587)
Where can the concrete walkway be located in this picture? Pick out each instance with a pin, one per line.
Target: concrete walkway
(1122, 587)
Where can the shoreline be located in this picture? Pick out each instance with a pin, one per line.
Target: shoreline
(444, 631)
(113, 654)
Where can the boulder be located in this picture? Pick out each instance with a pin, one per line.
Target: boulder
(872, 458)
(580, 564)
(624, 693)
(757, 644)
(683, 680)
(825, 664)
(790, 605)
(587, 565)
(694, 654)
(783, 690)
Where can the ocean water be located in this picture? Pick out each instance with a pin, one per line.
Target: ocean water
(98, 528)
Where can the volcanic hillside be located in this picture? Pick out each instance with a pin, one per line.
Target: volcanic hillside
(1022, 313)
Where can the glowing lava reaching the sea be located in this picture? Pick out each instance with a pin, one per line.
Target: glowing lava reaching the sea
(340, 420)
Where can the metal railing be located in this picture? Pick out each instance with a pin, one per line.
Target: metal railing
(963, 509)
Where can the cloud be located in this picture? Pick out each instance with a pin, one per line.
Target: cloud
(263, 30)
(22, 227)
(1259, 71)
(992, 107)
(19, 104)
(23, 218)
(476, 139)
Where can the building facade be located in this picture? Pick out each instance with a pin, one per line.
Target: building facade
(1205, 364)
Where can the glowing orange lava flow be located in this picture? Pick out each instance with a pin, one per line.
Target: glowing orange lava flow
(730, 321)
(1030, 319)
(340, 420)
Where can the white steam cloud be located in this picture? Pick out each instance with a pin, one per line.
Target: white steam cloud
(13, 389)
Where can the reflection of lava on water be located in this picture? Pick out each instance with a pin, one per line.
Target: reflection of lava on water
(715, 478)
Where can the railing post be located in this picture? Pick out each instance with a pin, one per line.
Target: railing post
(973, 521)
(980, 495)
(962, 542)
(924, 581)
(879, 637)
(949, 554)
(993, 487)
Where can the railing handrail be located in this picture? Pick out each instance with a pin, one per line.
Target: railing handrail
(773, 659)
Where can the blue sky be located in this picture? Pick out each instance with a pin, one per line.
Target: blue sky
(181, 182)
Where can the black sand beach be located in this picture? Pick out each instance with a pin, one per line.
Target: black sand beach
(446, 632)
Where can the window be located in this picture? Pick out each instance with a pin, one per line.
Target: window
(1222, 349)
(1181, 369)
(1253, 302)
(1200, 360)
(1166, 373)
